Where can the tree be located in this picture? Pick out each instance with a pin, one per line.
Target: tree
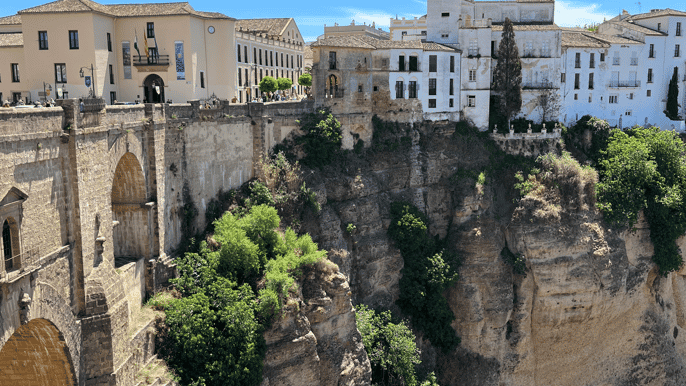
(507, 77)
(549, 103)
(284, 84)
(672, 110)
(268, 84)
(322, 137)
(305, 80)
(391, 347)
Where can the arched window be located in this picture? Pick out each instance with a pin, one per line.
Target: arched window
(10, 244)
(333, 86)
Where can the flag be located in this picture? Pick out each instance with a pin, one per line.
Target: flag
(157, 51)
(145, 39)
(135, 43)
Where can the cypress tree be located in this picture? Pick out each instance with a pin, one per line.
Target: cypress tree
(672, 111)
(507, 77)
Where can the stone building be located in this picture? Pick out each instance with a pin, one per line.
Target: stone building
(268, 47)
(76, 48)
(410, 29)
(354, 30)
(407, 80)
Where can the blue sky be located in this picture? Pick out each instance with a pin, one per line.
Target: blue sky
(311, 15)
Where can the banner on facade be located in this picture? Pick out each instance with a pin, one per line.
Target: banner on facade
(178, 55)
(126, 57)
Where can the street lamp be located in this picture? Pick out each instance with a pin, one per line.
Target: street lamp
(254, 68)
(92, 78)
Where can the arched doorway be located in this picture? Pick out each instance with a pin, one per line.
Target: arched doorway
(130, 236)
(333, 86)
(37, 354)
(153, 89)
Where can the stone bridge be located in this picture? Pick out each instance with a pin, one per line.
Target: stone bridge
(92, 208)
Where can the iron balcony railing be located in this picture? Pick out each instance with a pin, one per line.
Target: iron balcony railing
(473, 52)
(624, 83)
(152, 60)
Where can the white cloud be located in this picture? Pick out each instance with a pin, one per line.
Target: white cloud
(569, 14)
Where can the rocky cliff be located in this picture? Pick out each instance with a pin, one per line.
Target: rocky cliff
(591, 309)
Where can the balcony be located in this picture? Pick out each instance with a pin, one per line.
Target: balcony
(615, 61)
(541, 54)
(473, 52)
(537, 85)
(156, 60)
(624, 83)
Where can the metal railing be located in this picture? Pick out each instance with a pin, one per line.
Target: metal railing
(624, 83)
(537, 85)
(473, 52)
(152, 60)
(23, 260)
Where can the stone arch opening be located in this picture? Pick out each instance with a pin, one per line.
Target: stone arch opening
(37, 354)
(130, 233)
(10, 244)
(153, 89)
(332, 86)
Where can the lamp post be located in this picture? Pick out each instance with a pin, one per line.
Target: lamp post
(253, 68)
(92, 78)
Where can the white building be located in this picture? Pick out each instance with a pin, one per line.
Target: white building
(354, 30)
(408, 29)
(267, 47)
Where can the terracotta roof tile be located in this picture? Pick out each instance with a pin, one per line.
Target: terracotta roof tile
(579, 39)
(10, 20)
(639, 28)
(613, 39)
(268, 26)
(123, 10)
(431, 46)
(343, 41)
(12, 40)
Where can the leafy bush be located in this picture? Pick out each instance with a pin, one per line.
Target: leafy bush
(645, 169)
(350, 228)
(390, 347)
(428, 271)
(260, 194)
(322, 139)
(516, 261)
(216, 337)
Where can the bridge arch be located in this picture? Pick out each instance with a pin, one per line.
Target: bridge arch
(131, 239)
(37, 354)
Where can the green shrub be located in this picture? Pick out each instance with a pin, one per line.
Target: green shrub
(311, 198)
(390, 347)
(428, 271)
(350, 228)
(322, 139)
(260, 194)
(645, 169)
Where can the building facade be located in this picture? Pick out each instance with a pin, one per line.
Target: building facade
(268, 47)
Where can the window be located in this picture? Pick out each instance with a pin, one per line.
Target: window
(238, 50)
(590, 98)
(360, 88)
(113, 97)
(678, 29)
(452, 64)
(445, 14)
(615, 59)
(590, 81)
(432, 86)
(202, 79)
(109, 42)
(15, 72)
(613, 99)
(414, 63)
(563, 77)
(450, 102)
(412, 89)
(403, 33)
(432, 103)
(591, 63)
(432, 63)
(245, 53)
(60, 73)
(659, 26)
(676, 51)
(631, 95)
(283, 65)
(471, 101)
(602, 56)
(648, 93)
(151, 30)
(256, 77)
(399, 89)
(10, 244)
(628, 113)
(576, 97)
(271, 58)
(376, 88)
(332, 60)
(650, 75)
(401, 63)
(260, 75)
(277, 59)
(73, 40)
(651, 51)
(492, 47)
(254, 55)
(240, 80)
(260, 52)
(472, 75)
(577, 61)
(445, 36)
(451, 87)
(111, 75)
(576, 81)
(42, 40)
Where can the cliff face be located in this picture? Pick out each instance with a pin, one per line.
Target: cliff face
(317, 341)
(590, 311)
